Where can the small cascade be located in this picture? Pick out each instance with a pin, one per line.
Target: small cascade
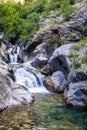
(30, 79)
(13, 54)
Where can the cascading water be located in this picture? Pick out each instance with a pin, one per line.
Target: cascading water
(30, 79)
(13, 54)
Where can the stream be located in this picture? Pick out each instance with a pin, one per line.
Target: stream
(48, 112)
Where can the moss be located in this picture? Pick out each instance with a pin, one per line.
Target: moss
(54, 39)
(74, 52)
(84, 58)
(84, 31)
(73, 35)
(83, 40)
(76, 63)
(73, 55)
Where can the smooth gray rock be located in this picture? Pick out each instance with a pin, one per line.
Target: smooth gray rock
(12, 94)
(57, 82)
(60, 63)
(59, 59)
(77, 94)
(41, 55)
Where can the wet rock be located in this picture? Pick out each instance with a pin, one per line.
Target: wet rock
(12, 94)
(57, 82)
(22, 56)
(50, 84)
(77, 94)
(1, 36)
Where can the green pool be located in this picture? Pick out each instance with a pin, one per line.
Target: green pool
(48, 112)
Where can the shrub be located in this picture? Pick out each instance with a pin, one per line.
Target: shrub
(76, 63)
(16, 21)
(66, 9)
(84, 31)
(84, 58)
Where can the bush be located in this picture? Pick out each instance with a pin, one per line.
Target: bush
(66, 9)
(76, 63)
(84, 58)
(84, 31)
(21, 21)
(16, 21)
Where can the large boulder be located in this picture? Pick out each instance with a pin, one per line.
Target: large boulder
(59, 59)
(57, 82)
(41, 54)
(12, 94)
(63, 50)
(77, 94)
(60, 63)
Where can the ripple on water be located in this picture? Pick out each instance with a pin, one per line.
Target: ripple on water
(47, 113)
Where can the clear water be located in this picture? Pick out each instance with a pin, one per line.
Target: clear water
(48, 112)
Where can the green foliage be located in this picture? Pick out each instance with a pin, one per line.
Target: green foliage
(66, 9)
(16, 21)
(84, 58)
(74, 57)
(74, 52)
(76, 63)
(54, 39)
(83, 40)
(84, 31)
(52, 6)
(21, 21)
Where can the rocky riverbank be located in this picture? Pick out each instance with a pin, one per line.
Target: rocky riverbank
(54, 52)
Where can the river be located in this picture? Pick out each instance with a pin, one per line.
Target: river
(48, 112)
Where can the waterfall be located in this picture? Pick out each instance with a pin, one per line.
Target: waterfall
(13, 54)
(30, 79)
